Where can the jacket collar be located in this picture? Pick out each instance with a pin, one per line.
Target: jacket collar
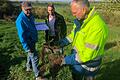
(26, 16)
(78, 23)
(90, 15)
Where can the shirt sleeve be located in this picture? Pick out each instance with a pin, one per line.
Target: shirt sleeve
(64, 42)
(70, 37)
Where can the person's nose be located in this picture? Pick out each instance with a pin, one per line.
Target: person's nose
(29, 11)
(74, 13)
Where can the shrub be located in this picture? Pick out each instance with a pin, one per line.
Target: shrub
(8, 10)
(40, 12)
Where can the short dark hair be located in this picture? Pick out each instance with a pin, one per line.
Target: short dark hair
(51, 5)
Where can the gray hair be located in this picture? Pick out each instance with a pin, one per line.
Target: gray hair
(26, 4)
(83, 2)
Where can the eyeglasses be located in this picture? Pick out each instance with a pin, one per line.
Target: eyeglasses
(28, 9)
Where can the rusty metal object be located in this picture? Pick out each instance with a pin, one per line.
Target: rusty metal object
(50, 50)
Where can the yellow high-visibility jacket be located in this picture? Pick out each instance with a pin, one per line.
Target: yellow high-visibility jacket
(90, 40)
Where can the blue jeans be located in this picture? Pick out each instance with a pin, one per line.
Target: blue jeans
(78, 69)
(32, 61)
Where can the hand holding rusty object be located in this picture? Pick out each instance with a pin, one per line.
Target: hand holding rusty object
(56, 60)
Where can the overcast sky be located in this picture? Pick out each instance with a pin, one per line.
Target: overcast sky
(43, 0)
(51, 0)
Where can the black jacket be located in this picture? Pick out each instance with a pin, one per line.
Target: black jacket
(60, 28)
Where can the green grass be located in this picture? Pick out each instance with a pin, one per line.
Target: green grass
(13, 57)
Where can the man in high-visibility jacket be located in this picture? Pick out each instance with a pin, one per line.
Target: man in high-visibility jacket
(88, 39)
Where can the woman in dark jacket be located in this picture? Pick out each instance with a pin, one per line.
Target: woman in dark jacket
(57, 26)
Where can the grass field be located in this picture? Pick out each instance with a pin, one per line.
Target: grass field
(13, 58)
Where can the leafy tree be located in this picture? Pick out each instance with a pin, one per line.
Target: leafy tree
(6, 8)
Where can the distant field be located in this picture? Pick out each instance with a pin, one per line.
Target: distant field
(13, 58)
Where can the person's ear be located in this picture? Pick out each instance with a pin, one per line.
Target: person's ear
(84, 10)
(22, 8)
